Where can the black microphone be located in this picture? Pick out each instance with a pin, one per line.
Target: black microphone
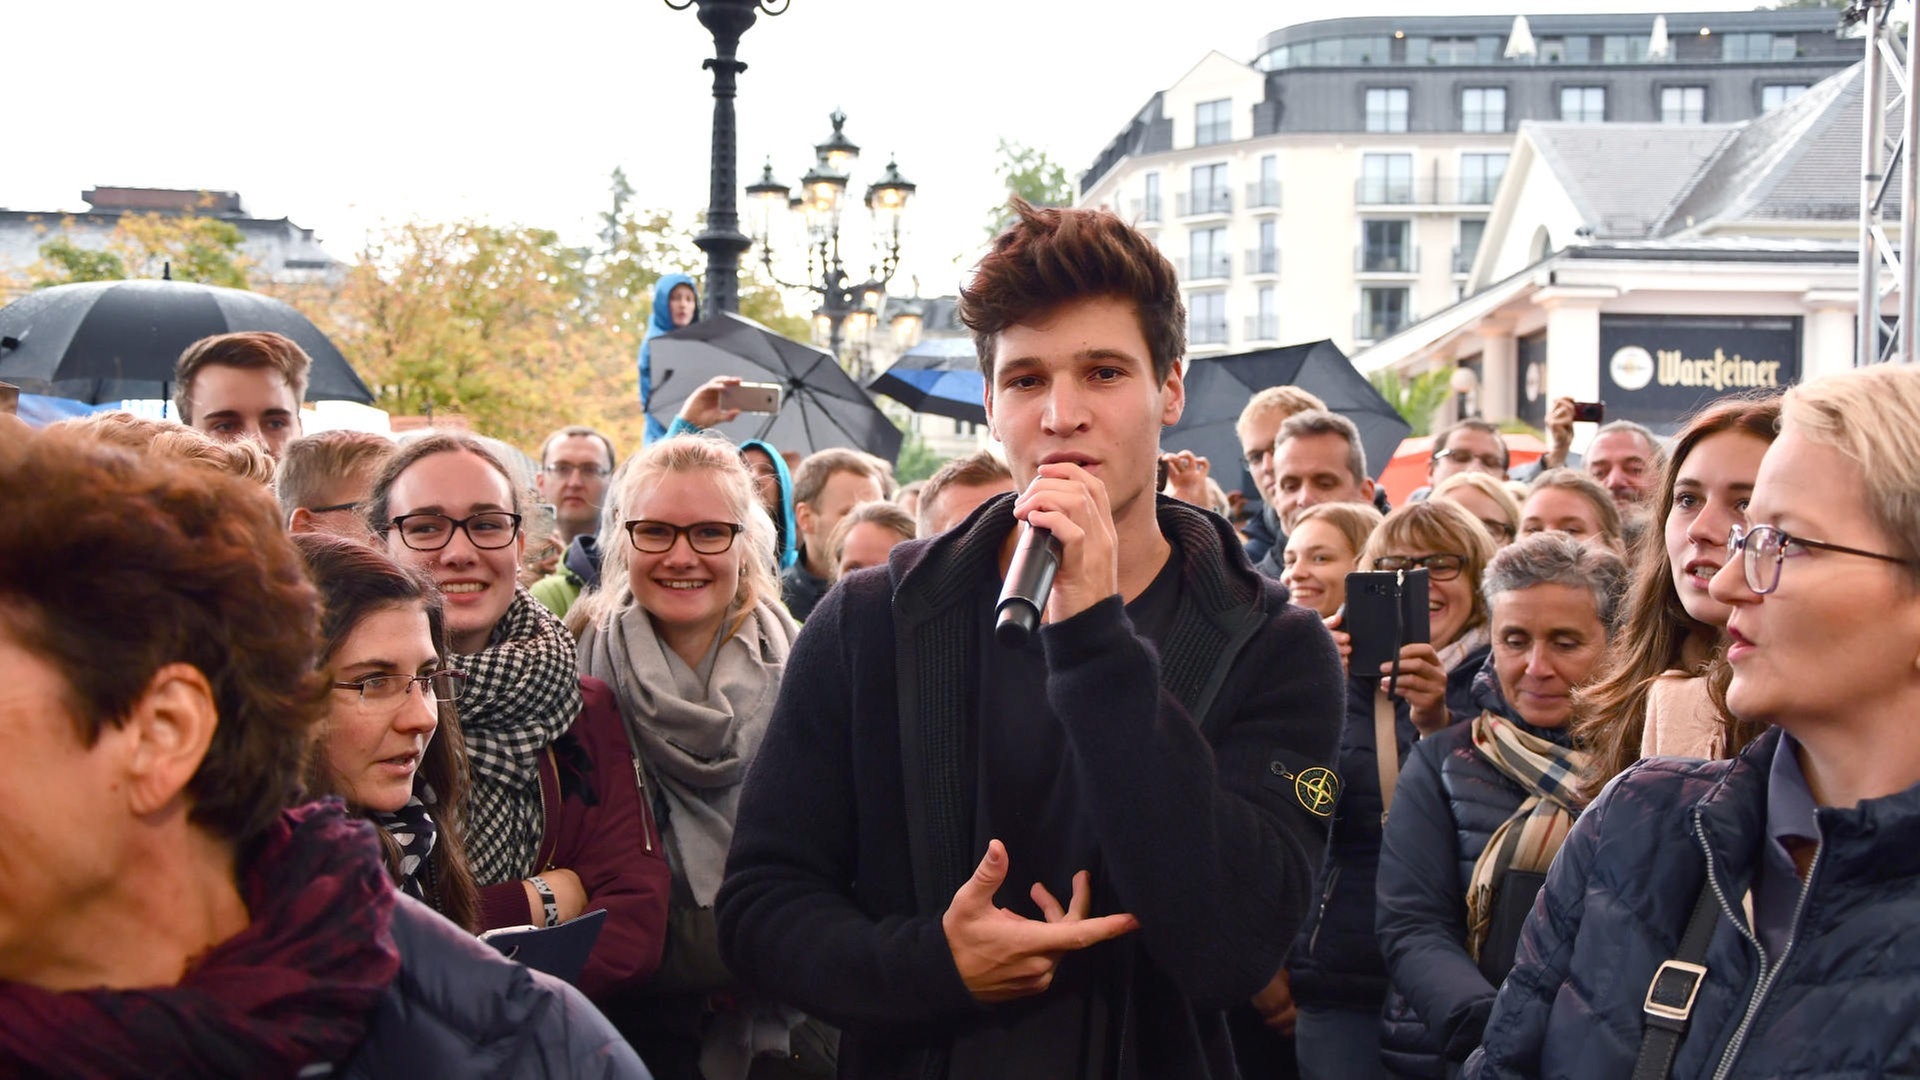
(1029, 579)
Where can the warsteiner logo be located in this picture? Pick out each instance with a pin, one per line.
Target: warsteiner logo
(1717, 372)
(1317, 789)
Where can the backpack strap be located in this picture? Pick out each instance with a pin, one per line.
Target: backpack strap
(1675, 985)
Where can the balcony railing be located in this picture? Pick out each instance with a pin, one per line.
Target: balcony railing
(1146, 211)
(1463, 261)
(1375, 325)
(1204, 268)
(1263, 328)
(1192, 204)
(1263, 260)
(1207, 332)
(1425, 191)
(1372, 259)
(1265, 193)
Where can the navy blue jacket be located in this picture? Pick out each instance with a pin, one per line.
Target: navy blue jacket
(1842, 1000)
(1336, 960)
(458, 1008)
(1449, 802)
(856, 823)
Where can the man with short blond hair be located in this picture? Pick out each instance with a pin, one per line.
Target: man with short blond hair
(243, 386)
(1258, 424)
(827, 484)
(322, 479)
(958, 487)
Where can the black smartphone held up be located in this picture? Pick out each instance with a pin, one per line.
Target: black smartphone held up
(1589, 412)
(1385, 610)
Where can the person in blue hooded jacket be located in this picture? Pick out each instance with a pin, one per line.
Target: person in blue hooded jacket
(773, 481)
(676, 303)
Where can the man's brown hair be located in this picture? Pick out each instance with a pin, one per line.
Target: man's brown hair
(810, 479)
(312, 463)
(201, 561)
(253, 349)
(1050, 256)
(978, 469)
(572, 431)
(164, 439)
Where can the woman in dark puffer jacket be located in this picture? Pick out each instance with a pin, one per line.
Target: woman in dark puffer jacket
(1483, 806)
(1803, 846)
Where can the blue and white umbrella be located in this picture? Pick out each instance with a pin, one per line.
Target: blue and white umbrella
(939, 376)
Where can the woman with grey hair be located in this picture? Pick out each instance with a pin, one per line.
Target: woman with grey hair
(1482, 807)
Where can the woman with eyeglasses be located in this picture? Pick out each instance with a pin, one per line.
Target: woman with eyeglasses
(689, 631)
(1761, 909)
(1484, 805)
(1338, 978)
(390, 745)
(557, 825)
(1486, 498)
(1656, 699)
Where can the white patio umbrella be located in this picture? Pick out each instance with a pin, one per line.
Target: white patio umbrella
(1658, 47)
(1520, 39)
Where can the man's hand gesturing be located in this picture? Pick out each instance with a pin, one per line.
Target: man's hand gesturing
(1003, 956)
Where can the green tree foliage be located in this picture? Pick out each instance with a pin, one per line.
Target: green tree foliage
(63, 262)
(917, 460)
(1033, 175)
(1416, 399)
(187, 247)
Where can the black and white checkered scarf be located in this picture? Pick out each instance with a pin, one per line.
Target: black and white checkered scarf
(523, 692)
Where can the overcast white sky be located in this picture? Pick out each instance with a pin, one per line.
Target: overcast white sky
(345, 115)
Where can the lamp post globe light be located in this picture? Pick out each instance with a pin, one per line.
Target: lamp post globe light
(722, 239)
(847, 308)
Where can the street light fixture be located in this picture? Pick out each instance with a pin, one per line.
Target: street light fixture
(846, 307)
(722, 240)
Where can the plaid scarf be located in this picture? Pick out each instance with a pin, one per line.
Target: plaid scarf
(523, 692)
(1529, 839)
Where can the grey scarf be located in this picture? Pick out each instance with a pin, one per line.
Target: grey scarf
(697, 749)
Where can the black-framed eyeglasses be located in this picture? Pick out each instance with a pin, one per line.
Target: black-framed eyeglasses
(705, 537)
(334, 509)
(562, 470)
(488, 529)
(1763, 549)
(389, 690)
(1441, 567)
(1467, 457)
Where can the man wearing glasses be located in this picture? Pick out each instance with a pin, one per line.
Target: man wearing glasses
(576, 465)
(1468, 446)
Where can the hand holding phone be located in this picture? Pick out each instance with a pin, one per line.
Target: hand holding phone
(1385, 610)
(1589, 412)
(754, 397)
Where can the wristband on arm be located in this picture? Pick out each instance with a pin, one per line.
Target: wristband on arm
(547, 901)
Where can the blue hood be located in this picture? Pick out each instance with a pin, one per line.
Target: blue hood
(787, 539)
(661, 322)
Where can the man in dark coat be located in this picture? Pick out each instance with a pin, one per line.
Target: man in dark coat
(1067, 858)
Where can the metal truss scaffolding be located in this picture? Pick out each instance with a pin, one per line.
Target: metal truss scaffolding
(1888, 157)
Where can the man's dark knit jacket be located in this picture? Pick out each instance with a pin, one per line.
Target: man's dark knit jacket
(800, 590)
(855, 827)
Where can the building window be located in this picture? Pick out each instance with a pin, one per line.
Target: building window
(1683, 104)
(1209, 193)
(1483, 108)
(1774, 95)
(1573, 50)
(1264, 326)
(1583, 104)
(1267, 191)
(1386, 108)
(1386, 178)
(1383, 313)
(1150, 206)
(1453, 50)
(1386, 247)
(1213, 122)
(1623, 49)
(1207, 318)
(1471, 232)
(1480, 176)
(1747, 48)
(1265, 259)
(1208, 248)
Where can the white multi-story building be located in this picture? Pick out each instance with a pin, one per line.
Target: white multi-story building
(1338, 186)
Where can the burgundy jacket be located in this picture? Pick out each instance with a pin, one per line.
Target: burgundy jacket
(599, 824)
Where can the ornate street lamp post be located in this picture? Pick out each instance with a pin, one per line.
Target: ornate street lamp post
(723, 241)
(844, 303)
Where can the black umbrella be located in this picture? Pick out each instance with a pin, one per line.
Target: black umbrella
(820, 404)
(939, 376)
(113, 340)
(1218, 388)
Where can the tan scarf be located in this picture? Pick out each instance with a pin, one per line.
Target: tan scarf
(1529, 839)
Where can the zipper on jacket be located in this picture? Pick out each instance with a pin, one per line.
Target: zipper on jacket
(1320, 920)
(1768, 972)
(646, 806)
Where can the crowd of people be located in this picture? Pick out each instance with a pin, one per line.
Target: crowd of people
(302, 725)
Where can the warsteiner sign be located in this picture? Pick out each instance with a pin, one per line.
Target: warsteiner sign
(1658, 368)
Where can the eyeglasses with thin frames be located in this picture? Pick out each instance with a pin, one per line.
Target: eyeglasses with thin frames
(488, 529)
(388, 691)
(704, 537)
(566, 471)
(334, 509)
(1763, 546)
(1467, 457)
(1440, 567)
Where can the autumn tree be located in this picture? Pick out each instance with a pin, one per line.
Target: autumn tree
(184, 247)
